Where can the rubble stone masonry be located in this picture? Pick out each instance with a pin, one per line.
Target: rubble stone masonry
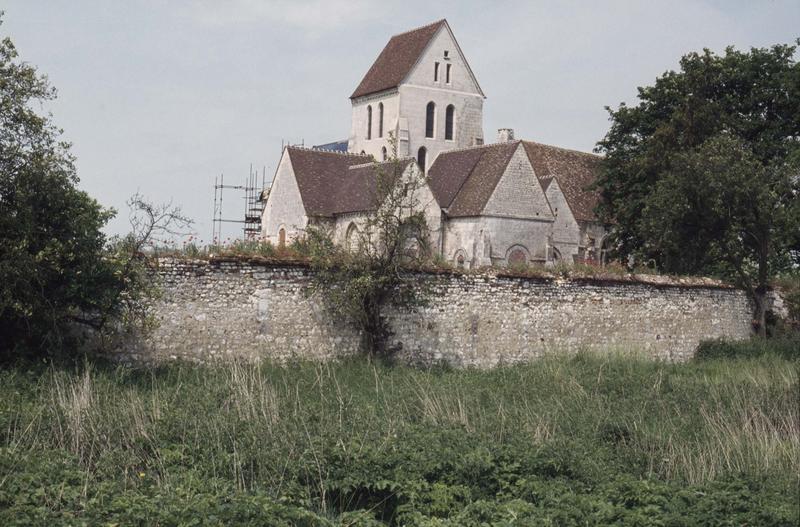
(231, 308)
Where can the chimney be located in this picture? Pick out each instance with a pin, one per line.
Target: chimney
(505, 135)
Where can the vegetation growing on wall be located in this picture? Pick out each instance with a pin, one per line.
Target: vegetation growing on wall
(789, 285)
(359, 277)
(587, 440)
(702, 175)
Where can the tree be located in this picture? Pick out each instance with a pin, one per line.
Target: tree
(359, 278)
(57, 268)
(51, 243)
(132, 259)
(701, 175)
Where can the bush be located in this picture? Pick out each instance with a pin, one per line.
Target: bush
(52, 266)
(786, 346)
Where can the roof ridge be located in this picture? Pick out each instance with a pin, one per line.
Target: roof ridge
(388, 161)
(396, 59)
(475, 147)
(426, 26)
(322, 151)
(562, 148)
(360, 165)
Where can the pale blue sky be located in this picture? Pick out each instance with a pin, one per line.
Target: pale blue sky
(162, 96)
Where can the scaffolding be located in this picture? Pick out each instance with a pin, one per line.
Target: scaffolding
(253, 204)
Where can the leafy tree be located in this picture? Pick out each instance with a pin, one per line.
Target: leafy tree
(702, 175)
(367, 272)
(51, 243)
(57, 268)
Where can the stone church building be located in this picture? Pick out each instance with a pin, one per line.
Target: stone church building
(502, 203)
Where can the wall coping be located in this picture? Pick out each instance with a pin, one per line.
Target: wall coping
(488, 273)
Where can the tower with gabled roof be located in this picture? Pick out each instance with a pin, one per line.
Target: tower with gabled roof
(422, 91)
(511, 202)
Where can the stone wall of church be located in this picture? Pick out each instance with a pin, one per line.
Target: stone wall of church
(284, 209)
(468, 119)
(565, 236)
(358, 142)
(487, 240)
(222, 309)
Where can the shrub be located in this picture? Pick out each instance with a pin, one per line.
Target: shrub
(786, 346)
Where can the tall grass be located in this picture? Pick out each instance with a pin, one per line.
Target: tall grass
(298, 431)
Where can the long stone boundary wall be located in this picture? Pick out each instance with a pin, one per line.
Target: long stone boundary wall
(222, 309)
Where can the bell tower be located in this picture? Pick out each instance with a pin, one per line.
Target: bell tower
(421, 91)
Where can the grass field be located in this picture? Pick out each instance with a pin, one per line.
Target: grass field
(585, 440)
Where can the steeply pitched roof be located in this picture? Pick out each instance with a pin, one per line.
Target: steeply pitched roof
(318, 174)
(462, 181)
(449, 172)
(357, 188)
(573, 170)
(396, 60)
(333, 183)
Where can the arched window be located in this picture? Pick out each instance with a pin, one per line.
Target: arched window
(351, 237)
(421, 154)
(281, 237)
(449, 115)
(380, 119)
(430, 117)
(517, 255)
(369, 122)
(383, 154)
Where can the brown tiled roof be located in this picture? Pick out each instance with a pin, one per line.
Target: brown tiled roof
(319, 174)
(357, 187)
(449, 172)
(396, 60)
(462, 181)
(573, 170)
(334, 183)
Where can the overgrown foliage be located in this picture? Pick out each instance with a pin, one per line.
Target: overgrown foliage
(52, 269)
(586, 440)
(703, 175)
(786, 345)
(58, 270)
(131, 256)
(789, 286)
(363, 272)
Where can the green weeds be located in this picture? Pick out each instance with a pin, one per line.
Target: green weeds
(586, 440)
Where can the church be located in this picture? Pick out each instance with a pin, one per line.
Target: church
(486, 204)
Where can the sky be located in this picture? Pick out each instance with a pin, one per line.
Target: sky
(162, 97)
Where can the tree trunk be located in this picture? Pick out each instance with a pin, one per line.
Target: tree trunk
(375, 330)
(760, 315)
(760, 295)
